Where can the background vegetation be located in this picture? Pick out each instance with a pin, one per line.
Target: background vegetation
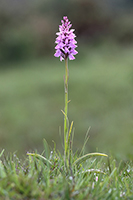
(101, 77)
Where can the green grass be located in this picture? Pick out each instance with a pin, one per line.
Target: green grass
(101, 94)
(33, 179)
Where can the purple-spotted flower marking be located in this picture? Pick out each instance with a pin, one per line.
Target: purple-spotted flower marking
(65, 41)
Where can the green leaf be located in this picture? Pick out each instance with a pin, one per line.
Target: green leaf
(46, 148)
(2, 152)
(87, 156)
(85, 141)
(2, 171)
(68, 139)
(40, 157)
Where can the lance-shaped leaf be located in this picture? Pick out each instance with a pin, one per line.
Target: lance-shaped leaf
(2, 152)
(87, 156)
(40, 157)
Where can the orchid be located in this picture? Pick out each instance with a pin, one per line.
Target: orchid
(65, 49)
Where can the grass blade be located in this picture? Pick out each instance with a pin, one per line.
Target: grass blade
(87, 156)
(2, 152)
(40, 157)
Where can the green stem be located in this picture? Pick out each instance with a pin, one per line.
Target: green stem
(66, 107)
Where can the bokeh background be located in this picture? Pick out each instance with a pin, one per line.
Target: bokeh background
(100, 80)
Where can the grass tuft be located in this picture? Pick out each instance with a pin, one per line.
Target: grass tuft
(34, 179)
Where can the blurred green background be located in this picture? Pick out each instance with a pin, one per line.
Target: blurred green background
(100, 80)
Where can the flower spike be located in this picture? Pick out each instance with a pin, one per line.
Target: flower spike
(65, 41)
